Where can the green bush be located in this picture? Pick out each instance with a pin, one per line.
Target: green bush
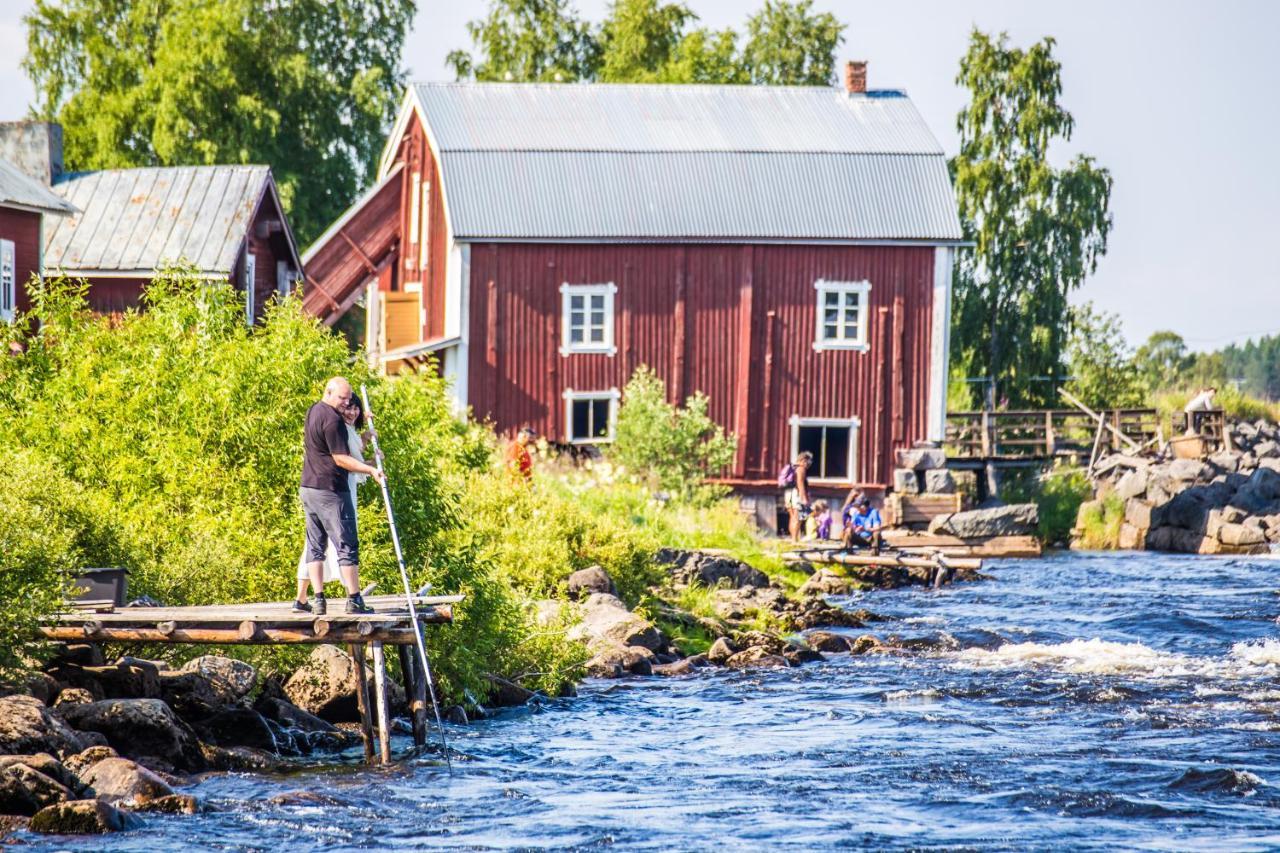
(178, 430)
(1058, 494)
(671, 448)
(1100, 524)
(49, 529)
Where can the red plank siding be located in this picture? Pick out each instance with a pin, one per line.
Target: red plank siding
(735, 322)
(416, 154)
(23, 228)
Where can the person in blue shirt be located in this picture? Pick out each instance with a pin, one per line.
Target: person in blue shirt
(862, 526)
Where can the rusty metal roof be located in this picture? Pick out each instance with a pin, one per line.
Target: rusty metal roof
(18, 189)
(137, 220)
(675, 162)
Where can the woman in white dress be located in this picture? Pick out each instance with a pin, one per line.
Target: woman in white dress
(354, 415)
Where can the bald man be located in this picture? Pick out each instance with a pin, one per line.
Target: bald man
(327, 500)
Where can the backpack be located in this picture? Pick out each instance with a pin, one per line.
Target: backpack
(787, 476)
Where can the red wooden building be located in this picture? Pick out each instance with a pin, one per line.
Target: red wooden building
(25, 201)
(786, 250)
(123, 224)
(226, 222)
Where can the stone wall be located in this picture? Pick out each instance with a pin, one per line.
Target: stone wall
(1228, 503)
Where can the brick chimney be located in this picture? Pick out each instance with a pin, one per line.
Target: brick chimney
(35, 147)
(855, 77)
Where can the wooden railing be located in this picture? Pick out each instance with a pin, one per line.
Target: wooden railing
(1048, 433)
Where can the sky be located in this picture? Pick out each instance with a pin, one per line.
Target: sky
(1179, 100)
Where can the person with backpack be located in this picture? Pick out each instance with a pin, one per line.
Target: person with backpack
(794, 481)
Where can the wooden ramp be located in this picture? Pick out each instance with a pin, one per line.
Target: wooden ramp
(276, 623)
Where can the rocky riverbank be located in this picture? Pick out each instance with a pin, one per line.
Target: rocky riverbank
(86, 745)
(1228, 503)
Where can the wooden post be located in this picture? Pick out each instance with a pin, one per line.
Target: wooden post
(380, 697)
(415, 690)
(362, 699)
(1050, 440)
(986, 434)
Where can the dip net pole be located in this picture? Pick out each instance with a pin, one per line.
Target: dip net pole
(408, 588)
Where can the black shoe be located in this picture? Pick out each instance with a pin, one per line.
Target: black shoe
(301, 607)
(319, 605)
(355, 604)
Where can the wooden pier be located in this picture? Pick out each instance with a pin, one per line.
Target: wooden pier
(276, 623)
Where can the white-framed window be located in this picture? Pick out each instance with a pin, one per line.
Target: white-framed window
(415, 200)
(586, 318)
(8, 280)
(589, 416)
(286, 278)
(424, 239)
(250, 273)
(841, 314)
(833, 443)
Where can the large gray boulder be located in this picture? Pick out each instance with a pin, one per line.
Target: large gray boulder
(592, 579)
(120, 780)
(27, 726)
(230, 679)
(905, 481)
(939, 481)
(1132, 484)
(24, 791)
(1261, 494)
(82, 817)
(1012, 520)
(922, 458)
(1188, 470)
(606, 622)
(326, 686)
(711, 570)
(142, 729)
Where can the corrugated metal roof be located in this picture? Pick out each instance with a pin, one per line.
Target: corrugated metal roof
(601, 117)
(140, 219)
(19, 188)
(605, 162)
(550, 195)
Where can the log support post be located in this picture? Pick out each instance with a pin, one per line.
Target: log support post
(415, 689)
(380, 691)
(362, 699)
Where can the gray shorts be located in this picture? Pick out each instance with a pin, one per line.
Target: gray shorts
(330, 516)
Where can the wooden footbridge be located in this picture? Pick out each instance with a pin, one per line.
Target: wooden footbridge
(276, 623)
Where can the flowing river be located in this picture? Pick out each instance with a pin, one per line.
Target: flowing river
(1081, 701)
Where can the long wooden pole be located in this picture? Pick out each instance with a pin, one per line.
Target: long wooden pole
(362, 700)
(1101, 419)
(380, 697)
(408, 588)
(413, 686)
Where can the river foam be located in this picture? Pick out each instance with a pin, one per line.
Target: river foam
(1105, 657)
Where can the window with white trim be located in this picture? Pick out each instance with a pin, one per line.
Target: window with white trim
(250, 290)
(833, 443)
(841, 314)
(589, 416)
(586, 318)
(8, 281)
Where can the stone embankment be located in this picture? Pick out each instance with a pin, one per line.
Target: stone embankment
(1228, 503)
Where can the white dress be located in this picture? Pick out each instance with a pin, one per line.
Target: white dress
(355, 444)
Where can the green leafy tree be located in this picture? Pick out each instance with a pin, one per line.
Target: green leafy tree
(675, 448)
(790, 45)
(1162, 360)
(1104, 374)
(1037, 231)
(648, 41)
(529, 41)
(305, 86)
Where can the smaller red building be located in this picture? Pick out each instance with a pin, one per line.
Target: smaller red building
(24, 204)
(226, 222)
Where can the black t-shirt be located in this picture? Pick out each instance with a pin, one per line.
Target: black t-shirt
(324, 435)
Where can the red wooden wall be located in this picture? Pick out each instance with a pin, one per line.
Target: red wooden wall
(23, 228)
(736, 322)
(416, 154)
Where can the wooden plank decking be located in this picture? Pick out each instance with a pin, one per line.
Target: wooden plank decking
(260, 623)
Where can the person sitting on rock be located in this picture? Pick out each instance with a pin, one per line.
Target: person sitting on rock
(864, 527)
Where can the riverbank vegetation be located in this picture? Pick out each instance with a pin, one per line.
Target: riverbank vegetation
(167, 441)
